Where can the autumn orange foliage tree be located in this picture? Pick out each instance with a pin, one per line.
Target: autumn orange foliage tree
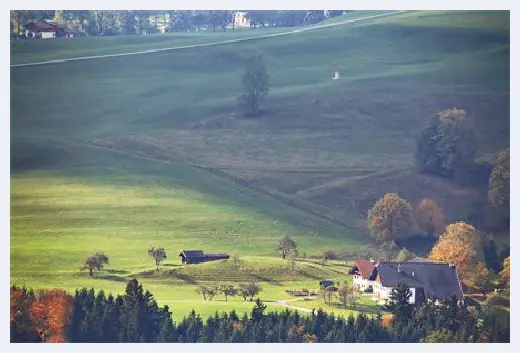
(505, 273)
(430, 218)
(459, 245)
(50, 314)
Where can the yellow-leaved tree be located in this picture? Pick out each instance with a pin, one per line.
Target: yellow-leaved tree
(430, 218)
(391, 218)
(459, 245)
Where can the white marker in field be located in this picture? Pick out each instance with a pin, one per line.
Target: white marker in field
(336, 75)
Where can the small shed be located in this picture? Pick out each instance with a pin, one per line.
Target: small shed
(198, 256)
(326, 283)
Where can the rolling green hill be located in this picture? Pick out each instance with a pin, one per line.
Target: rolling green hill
(119, 154)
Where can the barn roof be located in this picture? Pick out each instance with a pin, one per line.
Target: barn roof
(192, 253)
(438, 280)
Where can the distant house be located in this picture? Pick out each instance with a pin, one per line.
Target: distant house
(198, 256)
(361, 272)
(241, 20)
(47, 29)
(426, 280)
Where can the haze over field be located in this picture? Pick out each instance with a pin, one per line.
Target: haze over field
(121, 153)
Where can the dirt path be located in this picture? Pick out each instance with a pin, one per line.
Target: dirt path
(149, 51)
(285, 305)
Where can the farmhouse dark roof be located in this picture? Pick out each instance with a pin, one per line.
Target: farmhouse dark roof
(420, 259)
(363, 268)
(437, 279)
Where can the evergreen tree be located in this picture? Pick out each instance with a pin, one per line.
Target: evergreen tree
(398, 303)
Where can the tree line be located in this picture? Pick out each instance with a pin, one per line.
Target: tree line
(131, 22)
(87, 316)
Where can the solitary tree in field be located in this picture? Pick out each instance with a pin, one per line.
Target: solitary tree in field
(293, 254)
(430, 218)
(158, 254)
(95, 262)
(255, 86)
(285, 244)
(391, 218)
(236, 261)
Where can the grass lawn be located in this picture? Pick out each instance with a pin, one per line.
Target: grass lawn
(124, 153)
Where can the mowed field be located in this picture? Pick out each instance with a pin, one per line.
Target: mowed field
(123, 153)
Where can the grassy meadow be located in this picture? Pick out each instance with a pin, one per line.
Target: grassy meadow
(123, 153)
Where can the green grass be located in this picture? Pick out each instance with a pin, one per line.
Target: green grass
(124, 153)
(29, 51)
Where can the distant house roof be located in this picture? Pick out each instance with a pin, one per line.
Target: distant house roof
(437, 279)
(47, 26)
(363, 268)
(41, 26)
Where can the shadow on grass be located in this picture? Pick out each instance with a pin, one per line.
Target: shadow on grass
(111, 278)
(120, 272)
(307, 274)
(182, 277)
(266, 279)
(370, 309)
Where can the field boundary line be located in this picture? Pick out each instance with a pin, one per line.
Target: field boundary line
(230, 41)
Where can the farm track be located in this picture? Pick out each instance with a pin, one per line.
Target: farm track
(231, 41)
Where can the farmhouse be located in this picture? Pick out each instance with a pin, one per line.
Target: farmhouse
(198, 256)
(46, 29)
(426, 280)
(361, 272)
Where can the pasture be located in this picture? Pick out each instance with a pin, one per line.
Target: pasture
(123, 153)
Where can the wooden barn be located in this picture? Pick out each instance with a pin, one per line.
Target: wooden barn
(198, 256)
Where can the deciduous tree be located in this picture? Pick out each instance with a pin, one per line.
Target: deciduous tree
(292, 254)
(459, 245)
(391, 218)
(285, 244)
(158, 254)
(95, 262)
(505, 273)
(228, 290)
(498, 193)
(255, 86)
(430, 218)
(447, 145)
